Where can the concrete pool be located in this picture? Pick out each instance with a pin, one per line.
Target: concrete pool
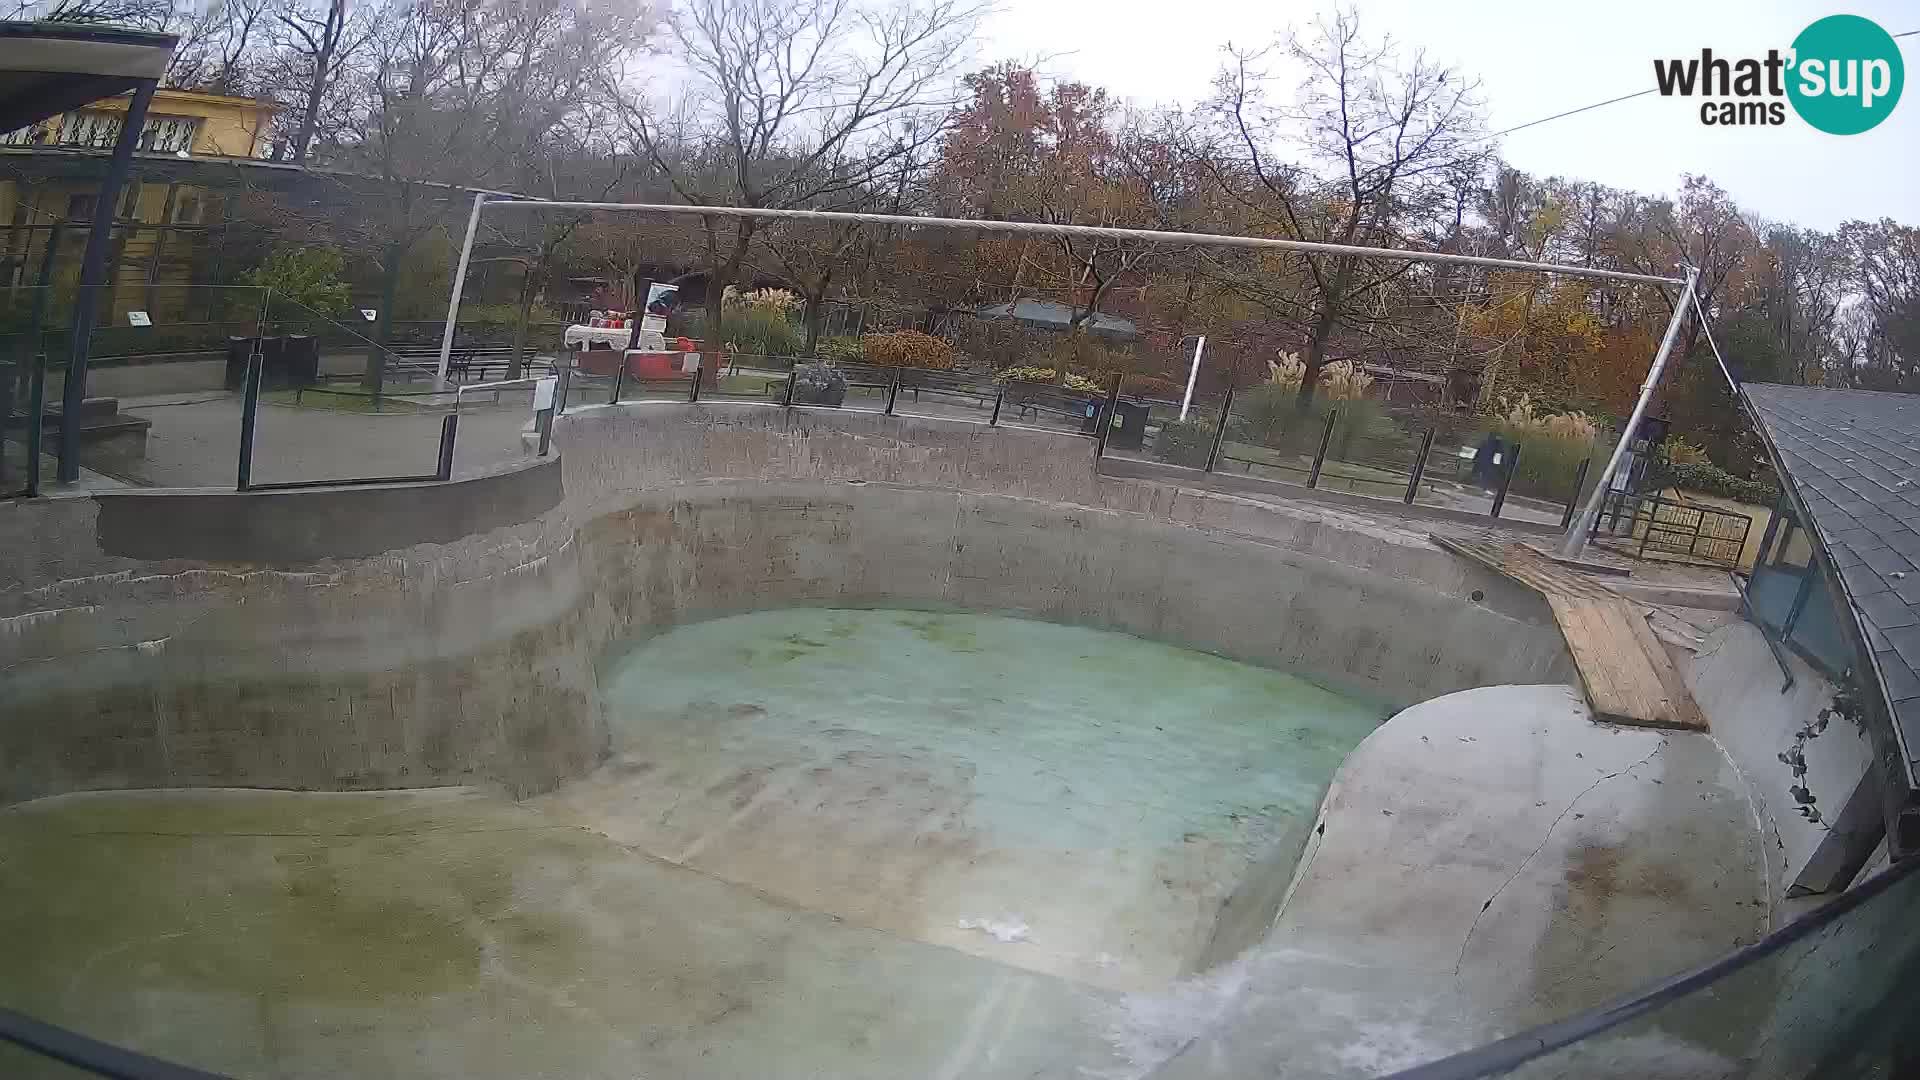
(1058, 799)
(740, 741)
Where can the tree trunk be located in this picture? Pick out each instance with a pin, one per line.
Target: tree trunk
(383, 331)
(1315, 359)
(816, 315)
(517, 366)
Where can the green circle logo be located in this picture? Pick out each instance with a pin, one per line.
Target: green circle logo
(1846, 75)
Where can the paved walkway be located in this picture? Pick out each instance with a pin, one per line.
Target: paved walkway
(195, 441)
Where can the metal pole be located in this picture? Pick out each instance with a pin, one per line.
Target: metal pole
(1576, 539)
(1193, 374)
(1506, 480)
(693, 390)
(93, 276)
(37, 356)
(793, 376)
(459, 283)
(37, 401)
(449, 430)
(1039, 228)
(545, 425)
(1000, 396)
(1105, 419)
(619, 380)
(893, 390)
(1573, 500)
(1419, 467)
(249, 411)
(1320, 456)
(1220, 429)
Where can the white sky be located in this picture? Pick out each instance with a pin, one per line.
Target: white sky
(1534, 58)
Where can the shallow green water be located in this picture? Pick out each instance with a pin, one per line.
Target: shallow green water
(920, 773)
(1058, 719)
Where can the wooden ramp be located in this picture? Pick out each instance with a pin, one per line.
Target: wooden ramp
(1629, 677)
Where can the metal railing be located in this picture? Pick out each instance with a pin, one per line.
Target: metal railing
(1681, 531)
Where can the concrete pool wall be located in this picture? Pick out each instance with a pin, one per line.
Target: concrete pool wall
(446, 634)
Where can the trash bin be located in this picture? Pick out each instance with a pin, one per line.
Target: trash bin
(1089, 415)
(238, 350)
(300, 360)
(1132, 430)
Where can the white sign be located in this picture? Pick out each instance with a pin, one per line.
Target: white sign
(138, 318)
(543, 393)
(369, 314)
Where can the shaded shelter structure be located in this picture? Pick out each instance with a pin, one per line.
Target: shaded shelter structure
(48, 68)
(1849, 464)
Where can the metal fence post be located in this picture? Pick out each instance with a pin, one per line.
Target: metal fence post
(994, 420)
(1320, 456)
(449, 430)
(893, 390)
(1220, 429)
(1105, 419)
(693, 390)
(619, 381)
(545, 425)
(1419, 467)
(249, 411)
(1573, 500)
(564, 372)
(36, 401)
(1506, 479)
(793, 376)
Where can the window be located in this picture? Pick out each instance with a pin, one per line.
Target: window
(80, 207)
(188, 209)
(169, 134)
(90, 129)
(130, 201)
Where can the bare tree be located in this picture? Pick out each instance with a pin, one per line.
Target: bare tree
(807, 104)
(317, 39)
(1374, 139)
(141, 14)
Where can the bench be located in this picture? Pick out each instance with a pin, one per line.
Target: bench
(466, 363)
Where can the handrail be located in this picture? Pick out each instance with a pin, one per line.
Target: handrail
(89, 1054)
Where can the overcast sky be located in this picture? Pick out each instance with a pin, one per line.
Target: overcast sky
(1534, 59)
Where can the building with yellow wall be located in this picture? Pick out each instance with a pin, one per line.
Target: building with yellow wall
(161, 220)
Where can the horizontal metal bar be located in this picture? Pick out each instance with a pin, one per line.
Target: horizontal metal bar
(505, 384)
(1096, 231)
(358, 481)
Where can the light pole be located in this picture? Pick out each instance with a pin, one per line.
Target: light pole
(1193, 372)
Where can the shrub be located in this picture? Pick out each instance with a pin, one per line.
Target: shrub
(1077, 383)
(309, 277)
(1552, 445)
(779, 300)
(1710, 479)
(1269, 415)
(760, 330)
(907, 349)
(840, 350)
(1184, 442)
(1154, 386)
(1682, 452)
(818, 384)
(1339, 381)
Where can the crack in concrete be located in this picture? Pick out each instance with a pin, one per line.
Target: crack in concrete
(1548, 835)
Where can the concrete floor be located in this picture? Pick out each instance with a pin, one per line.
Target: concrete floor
(450, 933)
(1484, 861)
(195, 441)
(1054, 798)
